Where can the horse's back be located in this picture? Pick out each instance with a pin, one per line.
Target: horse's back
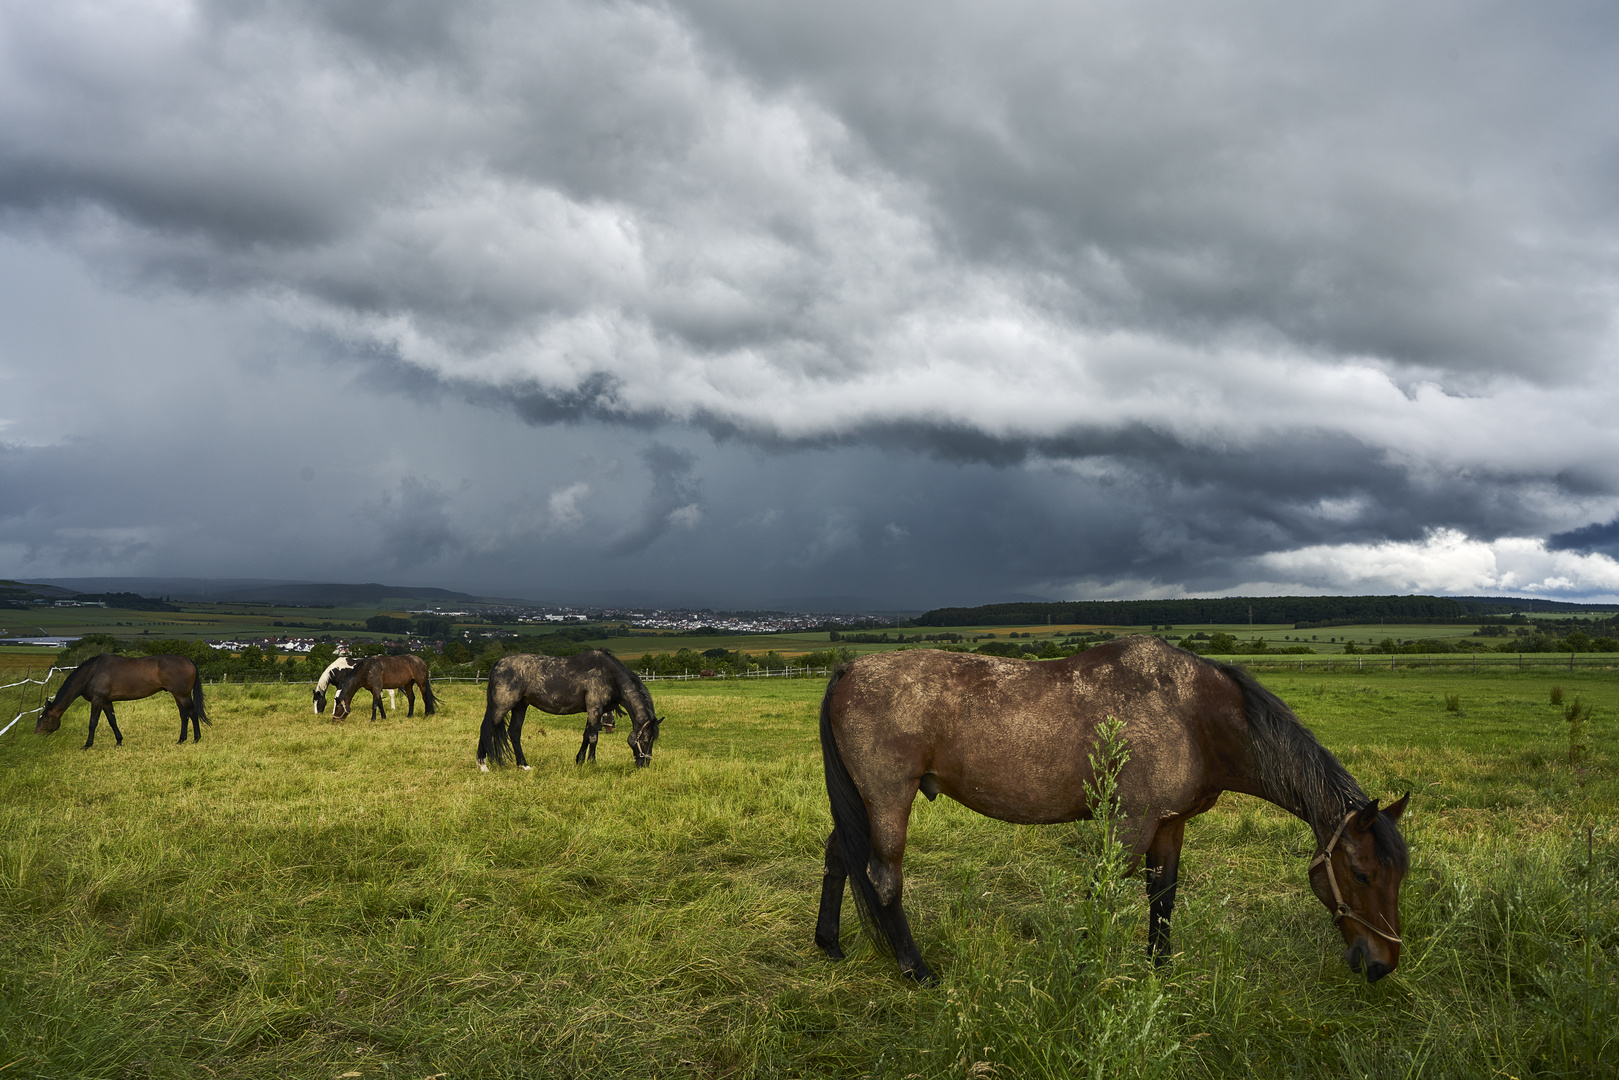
(1013, 739)
(553, 684)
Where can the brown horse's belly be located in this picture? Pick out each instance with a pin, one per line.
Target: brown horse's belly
(1046, 806)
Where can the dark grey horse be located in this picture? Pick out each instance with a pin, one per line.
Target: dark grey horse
(595, 683)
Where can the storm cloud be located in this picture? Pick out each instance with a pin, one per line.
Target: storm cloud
(936, 303)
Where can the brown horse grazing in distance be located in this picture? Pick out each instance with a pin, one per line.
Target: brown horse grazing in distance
(378, 673)
(104, 679)
(594, 682)
(1013, 739)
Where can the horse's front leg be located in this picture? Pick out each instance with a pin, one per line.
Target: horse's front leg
(587, 745)
(376, 706)
(95, 718)
(1163, 863)
(828, 922)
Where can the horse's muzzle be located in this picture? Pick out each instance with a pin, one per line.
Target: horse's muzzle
(1355, 956)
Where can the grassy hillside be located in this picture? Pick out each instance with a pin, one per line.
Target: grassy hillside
(294, 897)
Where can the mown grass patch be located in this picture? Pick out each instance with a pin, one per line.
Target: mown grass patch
(297, 897)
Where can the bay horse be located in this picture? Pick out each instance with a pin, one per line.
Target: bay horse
(378, 673)
(337, 671)
(104, 679)
(1013, 739)
(593, 682)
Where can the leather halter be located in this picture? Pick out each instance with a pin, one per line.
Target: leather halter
(1344, 910)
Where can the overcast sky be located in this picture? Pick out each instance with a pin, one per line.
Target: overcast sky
(742, 303)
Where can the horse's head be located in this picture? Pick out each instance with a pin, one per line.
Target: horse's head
(320, 702)
(641, 739)
(50, 718)
(1357, 874)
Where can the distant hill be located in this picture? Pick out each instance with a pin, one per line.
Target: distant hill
(343, 595)
(22, 593)
(1260, 609)
(245, 590)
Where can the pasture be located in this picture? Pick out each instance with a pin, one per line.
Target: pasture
(298, 897)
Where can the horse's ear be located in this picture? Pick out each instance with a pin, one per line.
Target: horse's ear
(1396, 808)
(1367, 815)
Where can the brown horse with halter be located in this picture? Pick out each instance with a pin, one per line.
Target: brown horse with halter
(594, 682)
(1014, 739)
(378, 673)
(104, 679)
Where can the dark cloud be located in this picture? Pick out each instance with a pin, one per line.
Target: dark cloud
(414, 525)
(674, 501)
(982, 299)
(1599, 537)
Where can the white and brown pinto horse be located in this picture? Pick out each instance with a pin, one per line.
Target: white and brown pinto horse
(336, 672)
(1014, 740)
(378, 673)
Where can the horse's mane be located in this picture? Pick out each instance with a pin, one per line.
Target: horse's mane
(329, 676)
(1302, 776)
(629, 683)
(75, 680)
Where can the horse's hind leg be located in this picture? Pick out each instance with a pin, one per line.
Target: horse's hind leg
(410, 700)
(1163, 862)
(188, 710)
(828, 921)
(515, 732)
(888, 826)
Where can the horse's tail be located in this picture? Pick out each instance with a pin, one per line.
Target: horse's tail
(494, 738)
(196, 698)
(852, 833)
(428, 699)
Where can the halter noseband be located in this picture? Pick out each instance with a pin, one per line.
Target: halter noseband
(1344, 910)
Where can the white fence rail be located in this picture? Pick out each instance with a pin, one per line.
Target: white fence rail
(28, 682)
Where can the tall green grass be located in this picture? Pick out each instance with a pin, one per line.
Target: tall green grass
(294, 897)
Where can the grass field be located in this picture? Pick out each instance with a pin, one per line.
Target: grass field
(297, 898)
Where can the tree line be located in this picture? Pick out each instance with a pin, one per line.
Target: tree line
(1300, 610)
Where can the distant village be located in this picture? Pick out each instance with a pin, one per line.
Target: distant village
(660, 620)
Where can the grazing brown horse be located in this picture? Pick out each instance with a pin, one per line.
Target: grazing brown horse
(378, 673)
(594, 682)
(102, 680)
(1012, 739)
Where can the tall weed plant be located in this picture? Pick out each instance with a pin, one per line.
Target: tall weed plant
(1085, 975)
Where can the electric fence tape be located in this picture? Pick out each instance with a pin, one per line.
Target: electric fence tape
(28, 682)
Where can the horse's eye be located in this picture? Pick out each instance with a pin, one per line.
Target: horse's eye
(1362, 878)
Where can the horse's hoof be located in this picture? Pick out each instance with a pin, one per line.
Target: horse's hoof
(920, 975)
(483, 766)
(526, 768)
